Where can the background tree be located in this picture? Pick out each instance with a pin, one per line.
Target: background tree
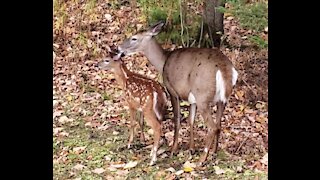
(212, 22)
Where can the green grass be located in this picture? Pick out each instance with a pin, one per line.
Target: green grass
(252, 16)
(257, 40)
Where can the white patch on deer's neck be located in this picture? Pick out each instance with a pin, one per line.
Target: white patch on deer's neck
(220, 88)
(155, 98)
(234, 76)
(191, 98)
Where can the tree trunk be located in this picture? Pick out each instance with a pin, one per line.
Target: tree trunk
(213, 21)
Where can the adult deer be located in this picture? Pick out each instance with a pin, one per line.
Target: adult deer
(142, 94)
(197, 75)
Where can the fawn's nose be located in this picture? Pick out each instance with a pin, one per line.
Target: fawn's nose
(96, 65)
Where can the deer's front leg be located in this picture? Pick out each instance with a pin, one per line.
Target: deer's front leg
(132, 125)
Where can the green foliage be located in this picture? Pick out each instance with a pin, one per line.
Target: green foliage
(169, 10)
(251, 16)
(258, 41)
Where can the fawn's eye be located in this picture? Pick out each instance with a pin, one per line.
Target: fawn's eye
(133, 39)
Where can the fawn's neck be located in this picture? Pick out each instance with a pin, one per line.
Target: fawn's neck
(122, 74)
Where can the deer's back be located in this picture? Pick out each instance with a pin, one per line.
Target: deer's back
(195, 69)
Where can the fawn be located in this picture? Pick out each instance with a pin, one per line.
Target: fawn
(142, 94)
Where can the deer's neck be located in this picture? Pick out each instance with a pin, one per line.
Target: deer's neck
(155, 54)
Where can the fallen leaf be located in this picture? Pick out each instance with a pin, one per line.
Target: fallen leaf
(130, 164)
(56, 45)
(188, 167)
(55, 103)
(240, 94)
(171, 169)
(79, 150)
(64, 119)
(54, 56)
(239, 169)
(218, 170)
(242, 107)
(103, 127)
(118, 165)
(122, 172)
(160, 151)
(79, 167)
(112, 169)
(69, 98)
(57, 130)
(184, 103)
(57, 114)
(98, 170)
(179, 172)
(107, 158)
(115, 132)
(264, 159)
(108, 17)
(64, 134)
(88, 124)
(170, 177)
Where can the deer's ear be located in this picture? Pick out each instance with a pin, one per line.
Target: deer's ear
(156, 28)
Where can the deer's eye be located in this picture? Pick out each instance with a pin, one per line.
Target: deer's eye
(133, 39)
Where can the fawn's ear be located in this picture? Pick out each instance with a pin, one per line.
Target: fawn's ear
(156, 28)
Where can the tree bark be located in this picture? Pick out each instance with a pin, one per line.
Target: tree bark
(213, 21)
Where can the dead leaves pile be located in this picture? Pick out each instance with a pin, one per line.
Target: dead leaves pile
(82, 93)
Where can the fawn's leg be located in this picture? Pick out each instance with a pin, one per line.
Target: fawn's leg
(141, 123)
(132, 125)
(156, 127)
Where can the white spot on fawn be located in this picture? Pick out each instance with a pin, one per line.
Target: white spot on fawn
(220, 88)
(191, 98)
(137, 99)
(155, 98)
(234, 76)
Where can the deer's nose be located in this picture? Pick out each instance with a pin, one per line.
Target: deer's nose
(96, 65)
